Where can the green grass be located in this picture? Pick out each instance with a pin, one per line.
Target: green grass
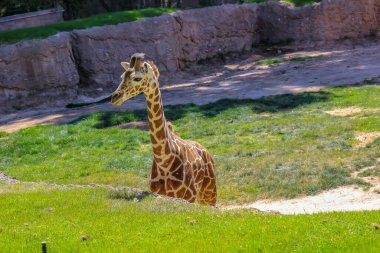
(371, 172)
(296, 2)
(275, 147)
(281, 60)
(89, 220)
(97, 20)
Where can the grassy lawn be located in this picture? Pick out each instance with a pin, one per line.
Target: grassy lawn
(274, 147)
(97, 20)
(89, 220)
(284, 60)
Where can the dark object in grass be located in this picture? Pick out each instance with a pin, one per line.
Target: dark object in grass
(102, 100)
(129, 195)
(44, 247)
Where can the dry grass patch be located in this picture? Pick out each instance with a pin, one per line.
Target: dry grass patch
(352, 111)
(366, 138)
(142, 125)
(344, 112)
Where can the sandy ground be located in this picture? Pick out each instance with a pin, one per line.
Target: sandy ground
(345, 198)
(245, 79)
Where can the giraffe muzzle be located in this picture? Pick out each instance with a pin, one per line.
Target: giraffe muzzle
(116, 98)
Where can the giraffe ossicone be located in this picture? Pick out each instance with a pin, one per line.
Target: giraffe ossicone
(181, 168)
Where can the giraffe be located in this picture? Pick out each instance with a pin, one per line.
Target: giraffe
(181, 168)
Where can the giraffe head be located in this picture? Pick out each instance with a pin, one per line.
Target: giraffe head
(136, 79)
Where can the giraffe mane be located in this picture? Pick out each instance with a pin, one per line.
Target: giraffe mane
(155, 69)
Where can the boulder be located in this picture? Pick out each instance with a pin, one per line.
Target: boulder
(327, 21)
(38, 64)
(207, 32)
(172, 41)
(100, 50)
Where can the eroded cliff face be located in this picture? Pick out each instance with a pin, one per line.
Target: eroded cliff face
(327, 22)
(377, 11)
(207, 32)
(172, 41)
(37, 70)
(53, 69)
(100, 50)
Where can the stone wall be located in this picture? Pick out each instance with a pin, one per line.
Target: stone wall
(207, 32)
(55, 67)
(173, 41)
(37, 68)
(377, 9)
(328, 21)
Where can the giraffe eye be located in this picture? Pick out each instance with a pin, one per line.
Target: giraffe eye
(137, 79)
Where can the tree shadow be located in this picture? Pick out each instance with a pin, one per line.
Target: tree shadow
(269, 104)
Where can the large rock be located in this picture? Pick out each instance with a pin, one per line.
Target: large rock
(100, 50)
(208, 32)
(172, 41)
(37, 67)
(377, 9)
(327, 21)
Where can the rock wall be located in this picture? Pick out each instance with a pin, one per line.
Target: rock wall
(55, 67)
(377, 9)
(36, 68)
(100, 50)
(207, 32)
(172, 41)
(325, 22)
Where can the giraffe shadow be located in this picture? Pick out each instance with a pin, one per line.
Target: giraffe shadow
(269, 104)
(129, 195)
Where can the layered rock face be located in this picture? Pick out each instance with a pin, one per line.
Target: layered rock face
(172, 41)
(52, 68)
(100, 50)
(377, 10)
(328, 21)
(207, 32)
(33, 69)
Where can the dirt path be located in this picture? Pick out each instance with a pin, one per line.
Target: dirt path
(302, 71)
(345, 198)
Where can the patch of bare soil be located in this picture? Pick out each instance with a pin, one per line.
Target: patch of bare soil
(343, 112)
(352, 112)
(373, 181)
(142, 125)
(366, 138)
(345, 198)
(6, 178)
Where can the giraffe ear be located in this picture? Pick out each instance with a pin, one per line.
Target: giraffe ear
(125, 65)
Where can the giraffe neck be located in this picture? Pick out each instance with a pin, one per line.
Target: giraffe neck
(158, 127)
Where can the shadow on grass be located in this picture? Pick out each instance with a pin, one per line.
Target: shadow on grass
(129, 195)
(270, 104)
